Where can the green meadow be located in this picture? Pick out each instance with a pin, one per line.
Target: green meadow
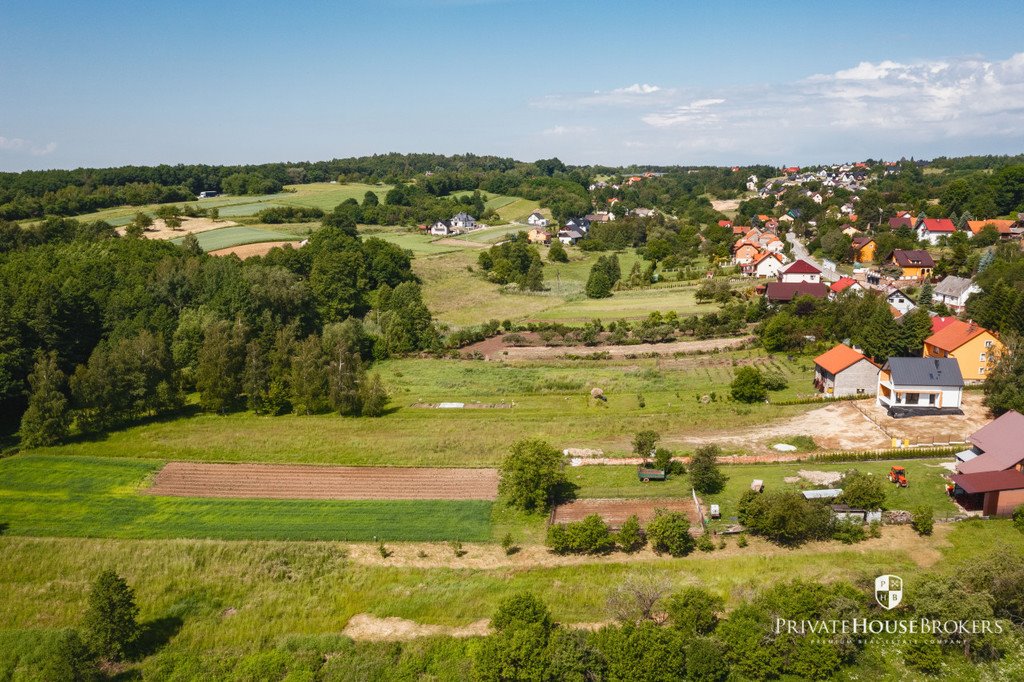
(226, 237)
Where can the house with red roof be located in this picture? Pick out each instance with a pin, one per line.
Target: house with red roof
(941, 322)
(933, 229)
(989, 477)
(725, 223)
(801, 271)
(844, 371)
(846, 284)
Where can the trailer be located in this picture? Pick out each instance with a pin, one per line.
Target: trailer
(646, 475)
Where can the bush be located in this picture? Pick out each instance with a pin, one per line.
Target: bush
(924, 520)
(557, 254)
(848, 532)
(1018, 518)
(630, 537)
(669, 532)
(663, 460)
(695, 611)
(705, 544)
(748, 386)
(706, 660)
(532, 475)
(644, 443)
(785, 517)
(589, 536)
(705, 475)
(742, 541)
(521, 610)
(924, 654)
(508, 544)
(773, 381)
(862, 491)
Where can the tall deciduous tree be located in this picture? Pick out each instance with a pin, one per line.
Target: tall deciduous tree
(531, 475)
(220, 365)
(47, 419)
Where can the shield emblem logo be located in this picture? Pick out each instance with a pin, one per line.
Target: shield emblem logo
(888, 591)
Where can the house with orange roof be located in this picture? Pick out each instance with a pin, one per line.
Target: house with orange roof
(844, 371)
(939, 322)
(725, 223)
(974, 348)
(1003, 227)
(740, 229)
(765, 265)
(745, 251)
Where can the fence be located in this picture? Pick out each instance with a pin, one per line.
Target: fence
(700, 510)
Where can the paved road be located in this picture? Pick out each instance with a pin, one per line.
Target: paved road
(800, 253)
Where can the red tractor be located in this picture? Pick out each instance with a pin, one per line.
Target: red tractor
(898, 475)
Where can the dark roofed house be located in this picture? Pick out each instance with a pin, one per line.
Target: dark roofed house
(909, 387)
(915, 263)
(902, 221)
(784, 292)
(994, 493)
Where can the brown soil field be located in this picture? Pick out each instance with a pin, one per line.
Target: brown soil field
(249, 250)
(495, 348)
(272, 481)
(195, 225)
(616, 511)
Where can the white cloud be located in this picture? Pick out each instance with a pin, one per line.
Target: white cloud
(569, 130)
(19, 145)
(886, 108)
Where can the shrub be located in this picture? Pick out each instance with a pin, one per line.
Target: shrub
(748, 386)
(773, 381)
(862, 491)
(508, 544)
(785, 517)
(704, 472)
(706, 660)
(531, 475)
(1018, 518)
(630, 537)
(521, 610)
(705, 544)
(695, 610)
(557, 254)
(669, 532)
(874, 529)
(924, 654)
(589, 536)
(644, 443)
(848, 532)
(924, 520)
(663, 460)
(383, 550)
(742, 541)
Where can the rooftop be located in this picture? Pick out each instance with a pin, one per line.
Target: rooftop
(990, 481)
(913, 258)
(801, 267)
(786, 291)
(938, 372)
(954, 335)
(839, 358)
(1001, 442)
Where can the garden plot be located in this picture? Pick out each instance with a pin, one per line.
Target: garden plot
(269, 481)
(614, 512)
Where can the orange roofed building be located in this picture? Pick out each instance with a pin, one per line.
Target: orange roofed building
(974, 348)
(844, 371)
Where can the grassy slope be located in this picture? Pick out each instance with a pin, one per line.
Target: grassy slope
(236, 236)
(551, 401)
(99, 497)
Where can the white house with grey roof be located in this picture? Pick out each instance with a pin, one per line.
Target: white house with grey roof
(954, 292)
(463, 221)
(910, 387)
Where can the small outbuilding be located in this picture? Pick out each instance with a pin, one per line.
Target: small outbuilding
(844, 371)
(995, 493)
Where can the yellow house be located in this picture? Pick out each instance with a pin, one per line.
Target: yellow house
(863, 249)
(915, 264)
(974, 348)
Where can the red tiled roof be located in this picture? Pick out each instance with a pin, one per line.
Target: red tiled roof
(954, 335)
(896, 223)
(989, 481)
(802, 267)
(939, 225)
(938, 323)
(843, 284)
(725, 223)
(839, 358)
(1002, 226)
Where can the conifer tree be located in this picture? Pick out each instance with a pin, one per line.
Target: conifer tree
(111, 618)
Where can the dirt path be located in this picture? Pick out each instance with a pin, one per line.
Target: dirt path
(302, 482)
(495, 348)
(249, 250)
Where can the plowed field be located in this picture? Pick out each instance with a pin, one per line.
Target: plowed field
(271, 481)
(616, 511)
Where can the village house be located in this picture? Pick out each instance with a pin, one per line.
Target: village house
(569, 236)
(909, 387)
(844, 371)
(538, 236)
(989, 477)
(974, 348)
(1003, 227)
(899, 302)
(784, 292)
(744, 252)
(801, 271)
(766, 265)
(862, 249)
(537, 220)
(915, 264)
(463, 221)
(901, 221)
(725, 223)
(933, 229)
(954, 292)
(847, 284)
(443, 228)
(644, 212)
(579, 224)
(599, 217)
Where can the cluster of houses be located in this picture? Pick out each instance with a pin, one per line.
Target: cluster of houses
(459, 223)
(851, 177)
(956, 353)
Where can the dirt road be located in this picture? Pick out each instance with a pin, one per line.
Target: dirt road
(495, 348)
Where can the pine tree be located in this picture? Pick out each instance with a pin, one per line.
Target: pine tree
(47, 419)
(924, 299)
(598, 285)
(557, 254)
(111, 617)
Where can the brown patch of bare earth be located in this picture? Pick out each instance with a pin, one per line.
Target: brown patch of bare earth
(249, 250)
(367, 627)
(616, 511)
(159, 230)
(275, 481)
(495, 348)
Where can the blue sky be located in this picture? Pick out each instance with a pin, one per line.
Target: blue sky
(111, 83)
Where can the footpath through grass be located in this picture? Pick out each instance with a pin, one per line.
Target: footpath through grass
(49, 495)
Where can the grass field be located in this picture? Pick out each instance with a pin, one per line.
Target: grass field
(100, 497)
(509, 208)
(927, 485)
(225, 237)
(408, 240)
(551, 401)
